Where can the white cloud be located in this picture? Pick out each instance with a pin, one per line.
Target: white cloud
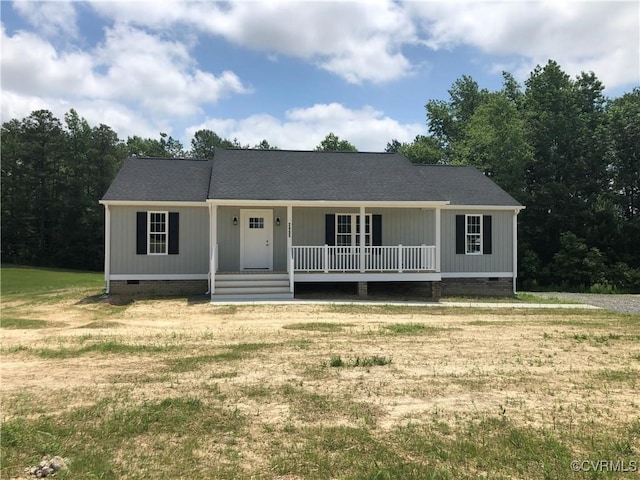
(50, 18)
(132, 71)
(359, 41)
(303, 128)
(364, 41)
(603, 37)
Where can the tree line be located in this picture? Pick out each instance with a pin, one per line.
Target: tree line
(556, 144)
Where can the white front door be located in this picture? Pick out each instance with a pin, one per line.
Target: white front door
(256, 240)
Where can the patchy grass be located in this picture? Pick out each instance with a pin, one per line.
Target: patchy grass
(108, 347)
(22, 323)
(318, 326)
(411, 329)
(102, 324)
(230, 353)
(176, 389)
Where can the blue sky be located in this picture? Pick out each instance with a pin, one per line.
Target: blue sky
(293, 71)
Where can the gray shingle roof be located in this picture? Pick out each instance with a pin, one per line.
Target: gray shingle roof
(465, 185)
(302, 175)
(161, 179)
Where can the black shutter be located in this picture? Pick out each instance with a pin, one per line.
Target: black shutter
(174, 233)
(460, 234)
(141, 233)
(330, 229)
(376, 232)
(486, 235)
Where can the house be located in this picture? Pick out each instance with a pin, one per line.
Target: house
(251, 224)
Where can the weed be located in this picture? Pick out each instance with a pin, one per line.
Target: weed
(336, 362)
(360, 362)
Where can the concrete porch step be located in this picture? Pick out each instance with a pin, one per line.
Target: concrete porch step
(243, 297)
(248, 286)
(249, 290)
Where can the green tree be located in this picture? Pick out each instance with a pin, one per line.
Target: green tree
(423, 149)
(204, 143)
(264, 145)
(495, 141)
(332, 143)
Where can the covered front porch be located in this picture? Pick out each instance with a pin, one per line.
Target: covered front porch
(322, 242)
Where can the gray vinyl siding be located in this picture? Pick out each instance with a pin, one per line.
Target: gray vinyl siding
(501, 260)
(229, 238)
(194, 243)
(406, 226)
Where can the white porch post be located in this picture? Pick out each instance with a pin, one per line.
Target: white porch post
(437, 235)
(213, 247)
(515, 249)
(290, 246)
(363, 224)
(107, 248)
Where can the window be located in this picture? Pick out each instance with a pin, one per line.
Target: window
(348, 230)
(473, 236)
(157, 233)
(256, 222)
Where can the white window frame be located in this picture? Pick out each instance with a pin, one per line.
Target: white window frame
(468, 235)
(354, 234)
(165, 233)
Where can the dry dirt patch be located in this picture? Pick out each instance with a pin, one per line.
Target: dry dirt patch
(544, 369)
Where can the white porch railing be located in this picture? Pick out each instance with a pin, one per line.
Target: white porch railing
(397, 258)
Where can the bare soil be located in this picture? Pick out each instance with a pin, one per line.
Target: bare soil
(536, 367)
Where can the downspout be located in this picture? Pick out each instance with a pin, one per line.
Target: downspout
(107, 249)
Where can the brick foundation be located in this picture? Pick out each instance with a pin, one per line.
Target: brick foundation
(406, 290)
(363, 289)
(159, 287)
(477, 287)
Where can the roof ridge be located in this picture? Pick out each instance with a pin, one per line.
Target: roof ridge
(303, 151)
(182, 159)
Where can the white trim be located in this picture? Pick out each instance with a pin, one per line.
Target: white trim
(476, 274)
(515, 250)
(483, 207)
(107, 248)
(327, 203)
(312, 203)
(160, 276)
(367, 277)
(354, 227)
(127, 203)
(467, 234)
(437, 234)
(165, 233)
(363, 235)
(213, 240)
(289, 233)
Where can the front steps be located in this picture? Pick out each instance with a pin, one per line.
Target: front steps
(239, 287)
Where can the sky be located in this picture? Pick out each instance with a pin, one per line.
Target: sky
(291, 71)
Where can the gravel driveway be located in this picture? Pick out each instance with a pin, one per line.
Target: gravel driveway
(619, 303)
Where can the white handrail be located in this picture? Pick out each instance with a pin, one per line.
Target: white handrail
(397, 258)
